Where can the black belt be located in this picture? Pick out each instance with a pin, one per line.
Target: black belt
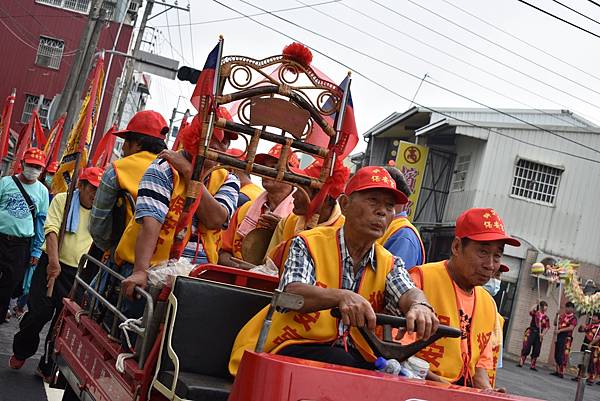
(15, 239)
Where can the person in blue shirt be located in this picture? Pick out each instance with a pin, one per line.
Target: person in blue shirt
(401, 237)
(21, 226)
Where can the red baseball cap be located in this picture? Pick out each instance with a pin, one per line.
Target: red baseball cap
(222, 112)
(337, 181)
(274, 153)
(93, 175)
(146, 122)
(52, 167)
(374, 177)
(35, 156)
(504, 268)
(483, 224)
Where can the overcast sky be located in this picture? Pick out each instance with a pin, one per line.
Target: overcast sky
(576, 87)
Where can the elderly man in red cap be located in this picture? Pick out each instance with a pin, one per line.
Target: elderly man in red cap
(325, 205)
(343, 267)
(266, 211)
(454, 287)
(23, 209)
(161, 195)
(56, 269)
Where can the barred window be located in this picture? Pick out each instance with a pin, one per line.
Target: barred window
(80, 6)
(49, 52)
(536, 182)
(460, 173)
(30, 102)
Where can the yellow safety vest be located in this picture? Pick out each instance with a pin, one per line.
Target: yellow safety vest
(129, 171)
(496, 347)
(445, 356)
(279, 253)
(125, 251)
(211, 239)
(236, 247)
(317, 327)
(251, 191)
(397, 224)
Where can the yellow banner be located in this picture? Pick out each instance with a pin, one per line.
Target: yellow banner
(63, 176)
(411, 160)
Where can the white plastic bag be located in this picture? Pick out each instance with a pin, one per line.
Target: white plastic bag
(164, 273)
(268, 268)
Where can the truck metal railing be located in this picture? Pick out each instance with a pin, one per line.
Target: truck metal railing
(94, 298)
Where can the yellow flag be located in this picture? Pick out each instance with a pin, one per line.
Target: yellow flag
(87, 117)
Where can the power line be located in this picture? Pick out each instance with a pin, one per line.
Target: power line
(450, 71)
(191, 36)
(559, 18)
(502, 47)
(419, 78)
(575, 11)
(520, 40)
(251, 15)
(485, 55)
(387, 89)
(593, 2)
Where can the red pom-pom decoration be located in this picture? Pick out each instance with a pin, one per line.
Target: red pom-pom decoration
(299, 53)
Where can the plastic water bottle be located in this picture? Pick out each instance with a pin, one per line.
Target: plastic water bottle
(390, 366)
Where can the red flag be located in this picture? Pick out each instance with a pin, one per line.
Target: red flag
(5, 124)
(97, 76)
(184, 123)
(105, 148)
(32, 129)
(203, 92)
(54, 138)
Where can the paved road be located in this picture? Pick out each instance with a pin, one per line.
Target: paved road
(23, 385)
(541, 384)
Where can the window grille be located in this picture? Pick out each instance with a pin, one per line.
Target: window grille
(460, 173)
(536, 182)
(80, 6)
(49, 53)
(30, 102)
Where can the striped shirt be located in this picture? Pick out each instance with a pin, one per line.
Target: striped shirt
(300, 267)
(101, 217)
(154, 196)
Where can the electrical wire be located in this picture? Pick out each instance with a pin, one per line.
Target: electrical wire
(252, 15)
(443, 68)
(559, 18)
(387, 89)
(503, 47)
(488, 23)
(191, 36)
(593, 2)
(179, 31)
(419, 78)
(575, 11)
(510, 67)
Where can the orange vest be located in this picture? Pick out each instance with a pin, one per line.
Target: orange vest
(280, 252)
(125, 251)
(445, 356)
(233, 243)
(211, 239)
(251, 191)
(397, 224)
(497, 336)
(317, 327)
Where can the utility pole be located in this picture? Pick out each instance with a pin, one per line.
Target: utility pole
(131, 63)
(71, 94)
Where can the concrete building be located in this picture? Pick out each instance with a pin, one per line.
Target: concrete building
(539, 169)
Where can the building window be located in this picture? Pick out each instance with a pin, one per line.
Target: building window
(30, 102)
(49, 52)
(80, 6)
(536, 182)
(460, 173)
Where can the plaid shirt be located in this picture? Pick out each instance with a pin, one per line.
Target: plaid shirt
(300, 268)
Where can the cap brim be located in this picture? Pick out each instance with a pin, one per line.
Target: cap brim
(121, 134)
(35, 162)
(494, 237)
(261, 158)
(504, 268)
(231, 135)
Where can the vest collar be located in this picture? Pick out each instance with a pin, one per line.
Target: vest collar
(369, 259)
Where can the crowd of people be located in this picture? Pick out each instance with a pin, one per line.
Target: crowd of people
(356, 251)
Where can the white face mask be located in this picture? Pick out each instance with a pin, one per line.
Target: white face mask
(31, 173)
(492, 286)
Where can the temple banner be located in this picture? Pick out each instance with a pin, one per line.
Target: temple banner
(411, 159)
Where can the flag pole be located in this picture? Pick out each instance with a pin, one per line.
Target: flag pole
(6, 120)
(83, 134)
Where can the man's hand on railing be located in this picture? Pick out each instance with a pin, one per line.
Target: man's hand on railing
(137, 278)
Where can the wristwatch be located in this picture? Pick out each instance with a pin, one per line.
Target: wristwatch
(425, 304)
